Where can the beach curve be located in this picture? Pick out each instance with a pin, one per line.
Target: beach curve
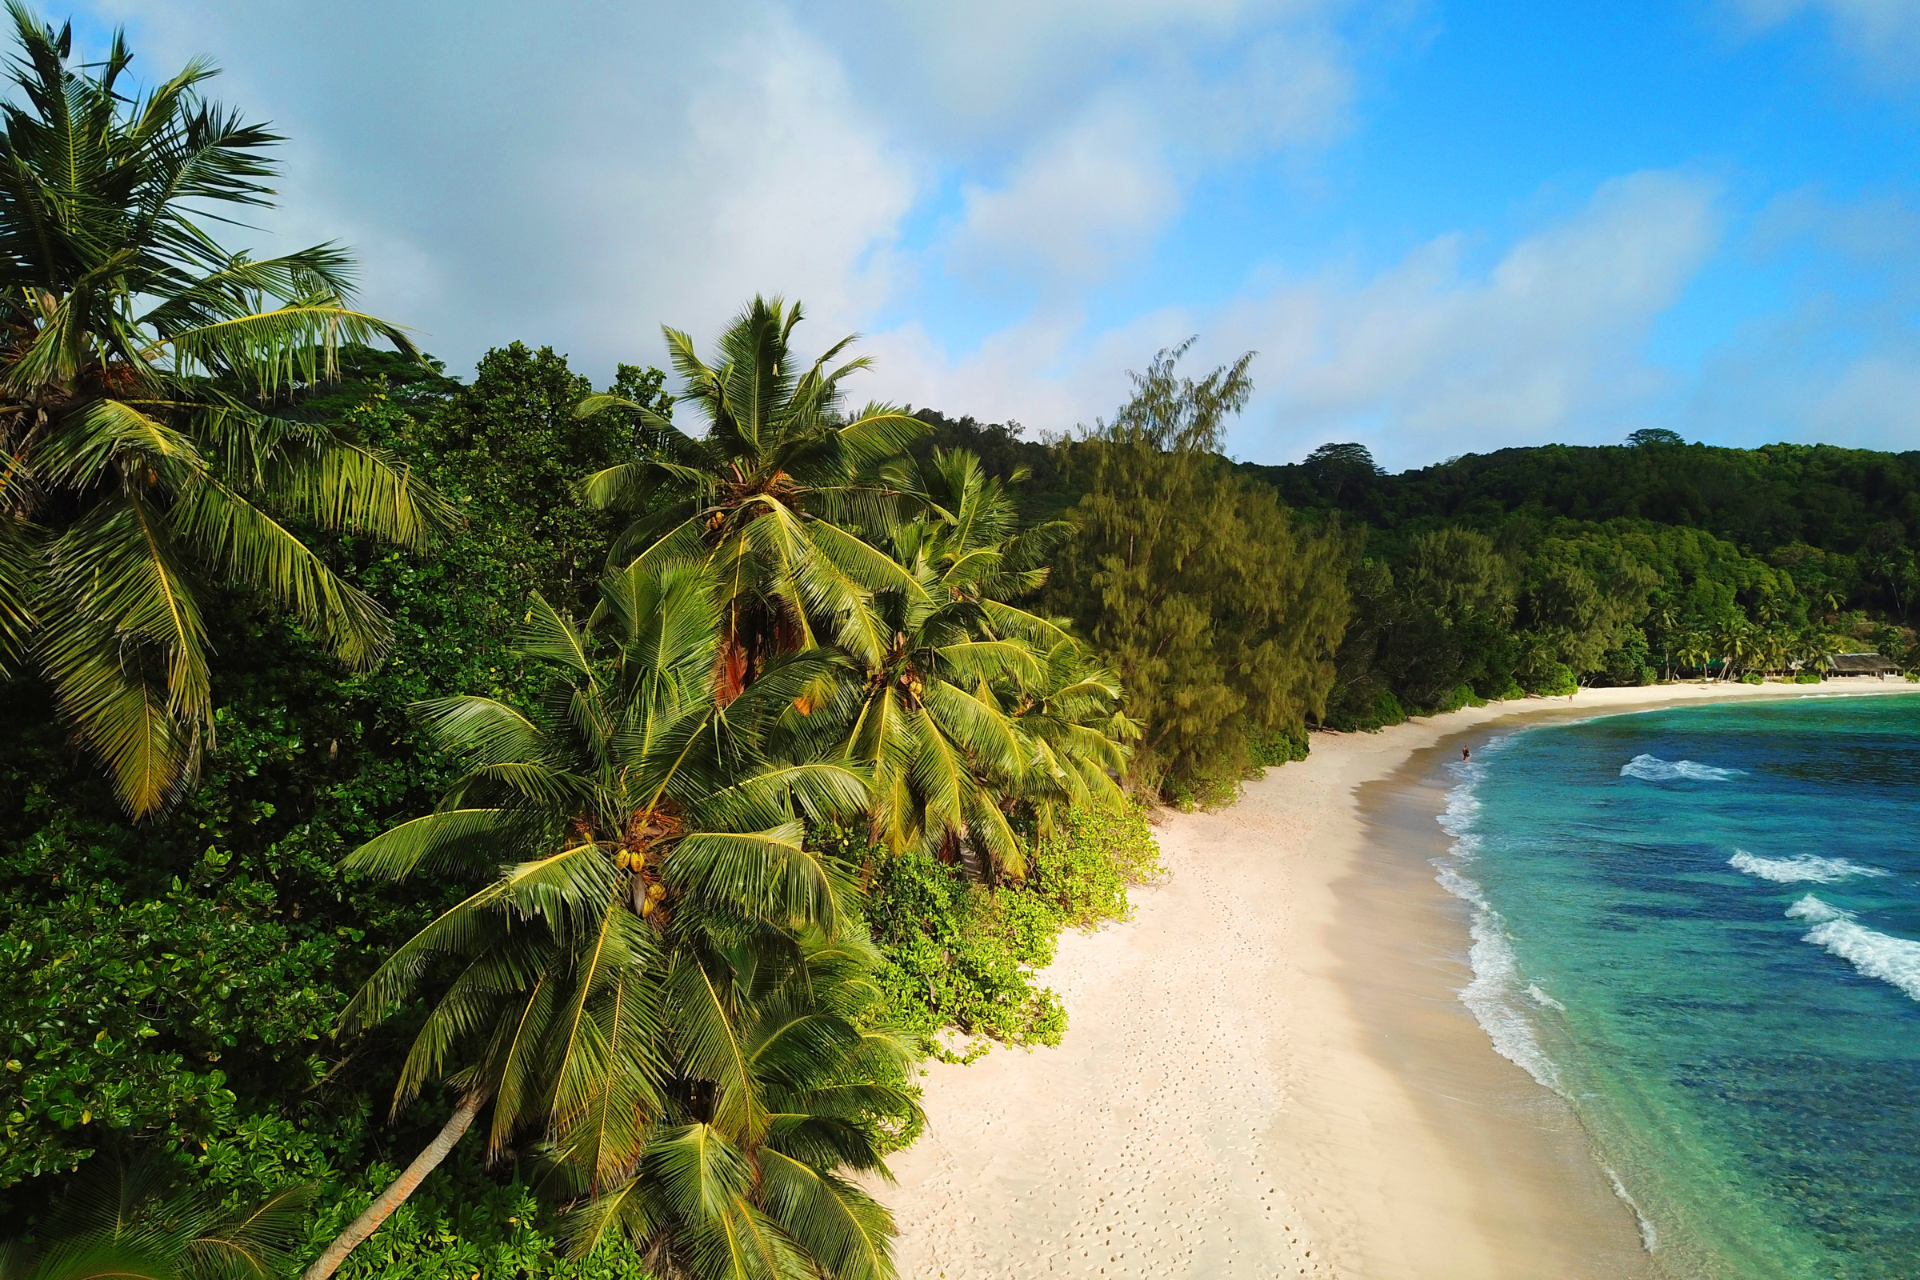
(1266, 1071)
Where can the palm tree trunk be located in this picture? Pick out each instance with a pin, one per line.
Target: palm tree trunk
(403, 1186)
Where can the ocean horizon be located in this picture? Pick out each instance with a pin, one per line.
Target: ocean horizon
(1701, 926)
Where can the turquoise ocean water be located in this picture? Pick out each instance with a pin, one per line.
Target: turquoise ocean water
(1702, 926)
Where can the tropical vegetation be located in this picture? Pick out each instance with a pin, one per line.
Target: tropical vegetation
(648, 775)
(142, 402)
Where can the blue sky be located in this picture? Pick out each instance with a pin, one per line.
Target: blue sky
(1446, 227)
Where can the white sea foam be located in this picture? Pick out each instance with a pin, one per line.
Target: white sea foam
(1800, 867)
(1653, 769)
(1494, 992)
(1490, 995)
(1876, 955)
(1649, 1238)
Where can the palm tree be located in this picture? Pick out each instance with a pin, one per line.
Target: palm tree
(975, 704)
(770, 1094)
(1694, 652)
(140, 364)
(125, 1222)
(1816, 650)
(1080, 738)
(764, 494)
(1897, 569)
(1734, 639)
(632, 810)
(1662, 619)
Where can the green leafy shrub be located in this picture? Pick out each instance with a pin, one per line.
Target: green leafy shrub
(1279, 746)
(1753, 677)
(464, 1224)
(1084, 869)
(1553, 680)
(1382, 712)
(1810, 677)
(175, 984)
(1459, 696)
(1202, 788)
(961, 955)
(1631, 662)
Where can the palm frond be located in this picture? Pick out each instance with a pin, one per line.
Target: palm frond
(846, 1231)
(456, 839)
(248, 546)
(770, 875)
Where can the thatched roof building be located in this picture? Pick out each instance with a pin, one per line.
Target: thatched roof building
(1862, 664)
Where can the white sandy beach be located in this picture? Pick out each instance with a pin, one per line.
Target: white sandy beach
(1259, 1076)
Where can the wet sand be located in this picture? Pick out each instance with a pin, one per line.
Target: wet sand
(1267, 1071)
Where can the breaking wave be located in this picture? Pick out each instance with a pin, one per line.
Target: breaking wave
(1653, 769)
(1892, 960)
(1800, 867)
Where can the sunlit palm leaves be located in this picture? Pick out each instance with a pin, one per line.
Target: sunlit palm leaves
(141, 359)
(975, 706)
(1078, 737)
(768, 493)
(649, 976)
(613, 833)
(770, 1096)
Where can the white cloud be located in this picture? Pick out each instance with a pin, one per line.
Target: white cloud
(1875, 401)
(1840, 362)
(579, 172)
(1883, 33)
(1423, 360)
(1883, 230)
(1545, 344)
(1077, 205)
(778, 182)
(1006, 69)
(573, 174)
(1091, 192)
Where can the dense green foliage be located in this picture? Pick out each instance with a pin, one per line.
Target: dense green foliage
(134, 1218)
(1219, 614)
(180, 979)
(143, 410)
(960, 956)
(1536, 570)
(653, 982)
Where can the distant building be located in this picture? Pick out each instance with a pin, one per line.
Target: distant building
(1862, 664)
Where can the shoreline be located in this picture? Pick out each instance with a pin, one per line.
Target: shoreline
(1268, 1070)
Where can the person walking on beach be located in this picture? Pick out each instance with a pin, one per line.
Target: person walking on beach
(1466, 753)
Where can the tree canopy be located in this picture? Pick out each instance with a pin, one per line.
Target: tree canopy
(143, 381)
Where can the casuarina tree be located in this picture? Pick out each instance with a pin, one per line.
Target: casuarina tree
(1219, 614)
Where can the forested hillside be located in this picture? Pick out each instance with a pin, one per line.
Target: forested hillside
(1622, 563)
(504, 826)
(1537, 570)
(1852, 501)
